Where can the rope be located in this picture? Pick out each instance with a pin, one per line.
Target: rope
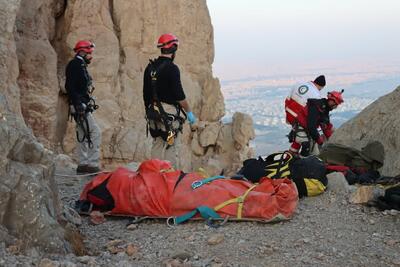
(78, 175)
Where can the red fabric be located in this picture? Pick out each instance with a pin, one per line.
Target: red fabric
(337, 168)
(327, 130)
(344, 169)
(299, 111)
(320, 140)
(150, 192)
(295, 147)
(95, 200)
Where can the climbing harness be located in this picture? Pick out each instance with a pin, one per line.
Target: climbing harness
(155, 113)
(83, 123)
(306, 146)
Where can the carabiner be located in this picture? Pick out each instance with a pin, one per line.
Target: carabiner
(196, 184)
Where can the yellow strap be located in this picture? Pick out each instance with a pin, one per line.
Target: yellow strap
(283, 172)
(284, 169)
(239, 200)
(171, 169)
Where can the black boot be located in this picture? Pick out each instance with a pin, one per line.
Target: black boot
(81, 169)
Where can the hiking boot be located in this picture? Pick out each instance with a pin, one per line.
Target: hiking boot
(81, 169)
(92, 169)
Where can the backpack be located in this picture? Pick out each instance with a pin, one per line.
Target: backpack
(309, 174)
(391, 199)
(371, 157)
(273, 166)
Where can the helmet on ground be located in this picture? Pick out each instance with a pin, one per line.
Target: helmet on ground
(336, 97)
(85, 46)
(167, 41)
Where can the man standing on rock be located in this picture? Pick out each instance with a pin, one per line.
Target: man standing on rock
(79, 87)
(165, 102)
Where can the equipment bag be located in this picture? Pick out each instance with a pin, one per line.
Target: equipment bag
(371, 157)
(309, 174)
(157, 190)
(273, 166)
(391, 199)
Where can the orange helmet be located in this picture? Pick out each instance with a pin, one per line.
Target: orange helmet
(167, 41)
(85, 46)
(336, 97)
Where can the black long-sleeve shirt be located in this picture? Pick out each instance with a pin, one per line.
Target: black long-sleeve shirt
(77, 81)
(169, 87)
(318, 114)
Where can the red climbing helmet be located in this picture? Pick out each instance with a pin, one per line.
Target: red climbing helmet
(336, 97)
(85, 46)
(167, 40)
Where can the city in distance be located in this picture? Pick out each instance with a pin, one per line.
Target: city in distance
(263, 98)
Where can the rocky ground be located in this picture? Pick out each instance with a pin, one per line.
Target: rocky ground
(325, 231)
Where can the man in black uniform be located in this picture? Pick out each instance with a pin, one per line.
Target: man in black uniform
(318, 118)
(79, 87)
(165, 101)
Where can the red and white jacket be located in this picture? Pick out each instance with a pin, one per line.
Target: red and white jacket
(296, 103)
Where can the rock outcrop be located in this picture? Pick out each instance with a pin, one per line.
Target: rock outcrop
(28, 195)
(36, 40)
(380, 121)
(125, 33)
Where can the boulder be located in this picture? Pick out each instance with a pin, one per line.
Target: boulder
(366, 193)
(378, 121)
(29, 203)
(242, 129)
(337, 184)
(210, 133)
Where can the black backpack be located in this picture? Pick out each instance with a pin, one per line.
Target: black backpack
(309, 173)
(391, 199)
(273, 166)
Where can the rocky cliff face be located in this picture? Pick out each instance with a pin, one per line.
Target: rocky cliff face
(28, 196)
(36, 40)
(125, 33)
(379, 121)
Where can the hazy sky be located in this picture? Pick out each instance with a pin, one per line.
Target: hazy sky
(256, 37)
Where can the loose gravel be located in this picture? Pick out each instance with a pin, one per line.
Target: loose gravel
(325, 231)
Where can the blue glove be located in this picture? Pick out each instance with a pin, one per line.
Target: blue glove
(191, 117)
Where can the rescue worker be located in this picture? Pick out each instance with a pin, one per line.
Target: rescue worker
(297, 100)
(305, 134)
(79, 87)
(165, 102)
